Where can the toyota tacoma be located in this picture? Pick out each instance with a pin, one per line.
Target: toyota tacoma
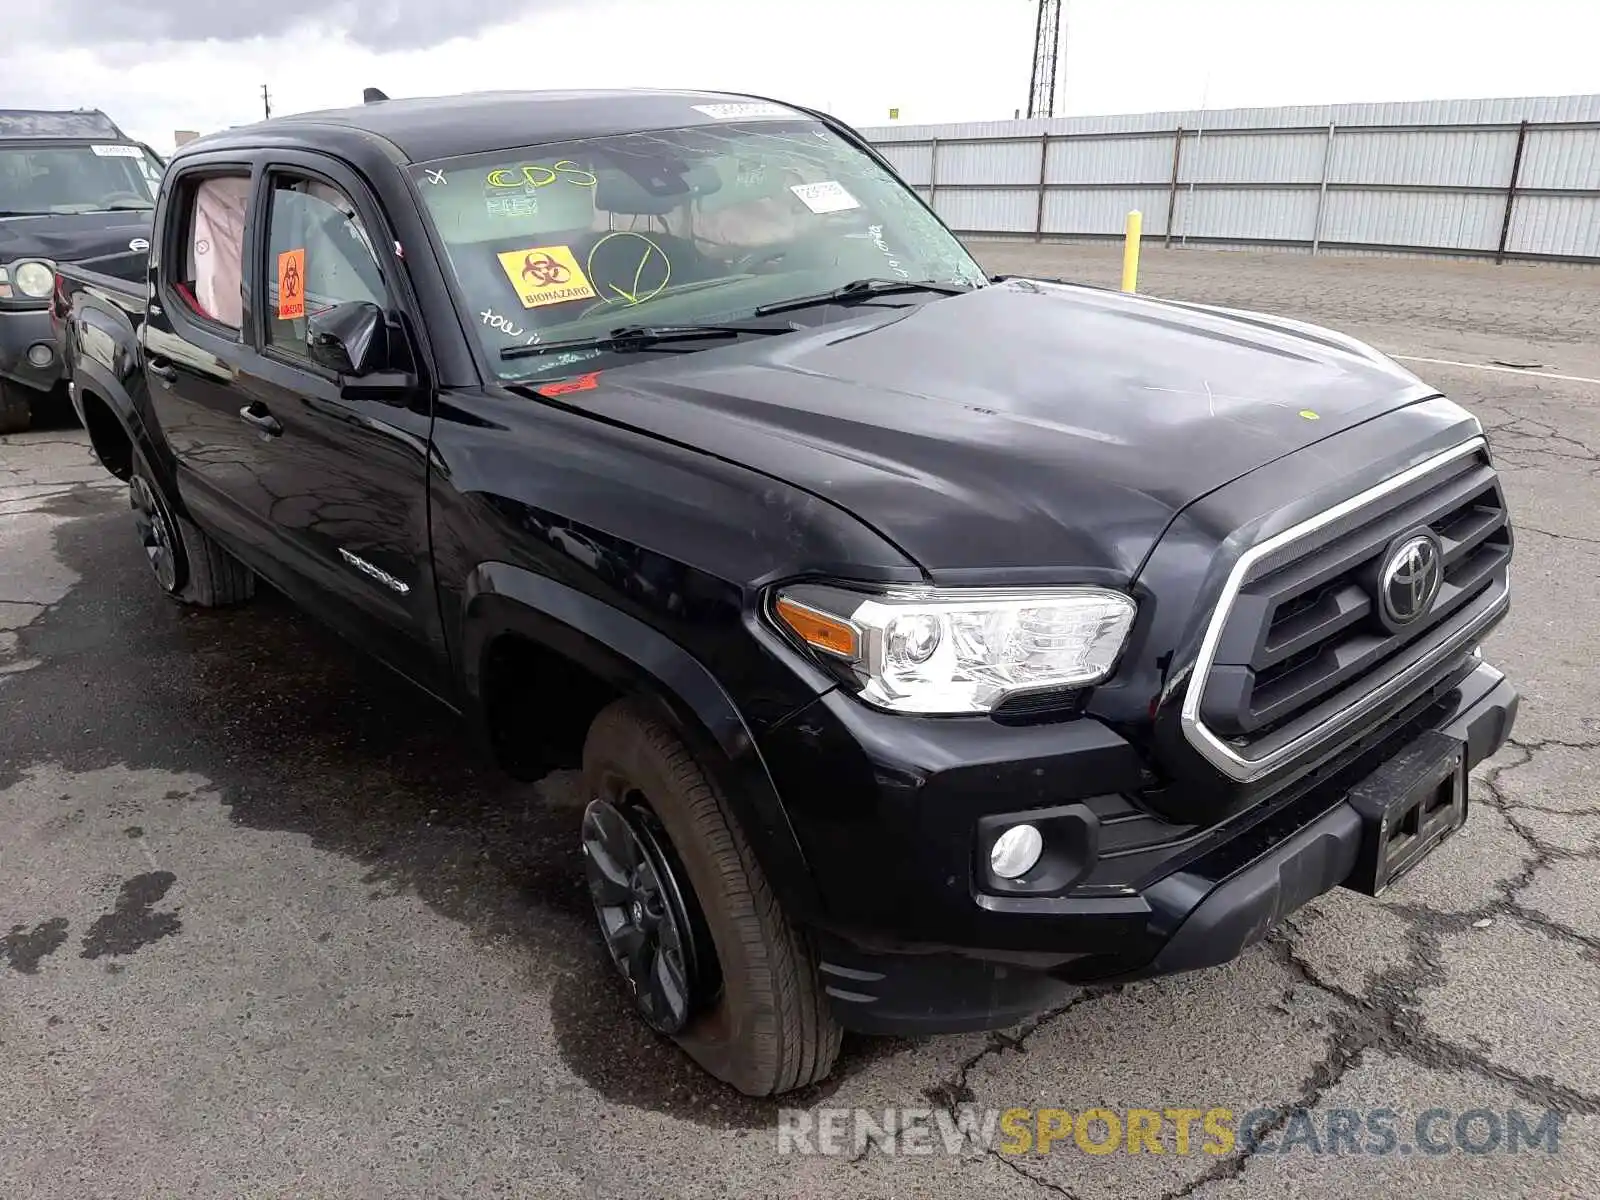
(931, 643)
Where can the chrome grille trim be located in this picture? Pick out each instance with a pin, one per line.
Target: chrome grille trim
(1225, 757)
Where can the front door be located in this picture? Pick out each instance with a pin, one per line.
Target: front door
(342, 483)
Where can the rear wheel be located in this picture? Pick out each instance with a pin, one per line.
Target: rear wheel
(16, 408)
(689, 918)
(187, 564)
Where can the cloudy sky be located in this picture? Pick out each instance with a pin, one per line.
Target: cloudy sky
(161, 65)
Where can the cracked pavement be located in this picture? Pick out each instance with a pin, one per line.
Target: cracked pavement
(266, 929)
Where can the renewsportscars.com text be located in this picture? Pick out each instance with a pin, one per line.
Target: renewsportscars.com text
(1179, 1131)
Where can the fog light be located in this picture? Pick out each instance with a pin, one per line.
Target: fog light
(40, 354)
(1016, 851)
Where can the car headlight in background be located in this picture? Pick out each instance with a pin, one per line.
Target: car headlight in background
(34, 280)
(954, 651)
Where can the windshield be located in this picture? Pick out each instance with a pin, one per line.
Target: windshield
(702, 224)
(94, 177)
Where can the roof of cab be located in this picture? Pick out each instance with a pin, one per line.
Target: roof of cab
(437, 127)
(77, 123)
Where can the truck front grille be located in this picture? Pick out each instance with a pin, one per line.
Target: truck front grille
(1301, 646)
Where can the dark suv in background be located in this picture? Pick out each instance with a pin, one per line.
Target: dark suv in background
(73, 187)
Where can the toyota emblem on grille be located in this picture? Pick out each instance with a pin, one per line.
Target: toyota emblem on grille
(1410, 579)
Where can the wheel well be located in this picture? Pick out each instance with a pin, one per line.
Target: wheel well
(110, 440)
(538, 705)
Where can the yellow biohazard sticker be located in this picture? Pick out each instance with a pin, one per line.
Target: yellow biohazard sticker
(545, 275)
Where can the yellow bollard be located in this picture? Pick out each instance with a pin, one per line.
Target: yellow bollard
(1130, 251)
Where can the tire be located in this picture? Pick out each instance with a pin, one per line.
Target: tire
(766, 1028)
(16, 408)
(187, 564)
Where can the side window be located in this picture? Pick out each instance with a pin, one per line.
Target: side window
(318, 255)
(211, 248)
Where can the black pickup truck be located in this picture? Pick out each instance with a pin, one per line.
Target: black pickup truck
(73, 188)
(931, 643)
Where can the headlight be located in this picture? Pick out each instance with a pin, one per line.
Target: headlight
(33, 279)
(961, 650)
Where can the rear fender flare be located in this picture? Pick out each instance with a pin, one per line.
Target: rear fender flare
(640, 661)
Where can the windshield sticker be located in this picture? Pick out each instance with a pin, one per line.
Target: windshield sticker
(118, 151)
(545, 275)
(826, 197)
(436, 176)
(746, 112)
(537, 175)
(581, 383)
(633, 268)
(291, 284)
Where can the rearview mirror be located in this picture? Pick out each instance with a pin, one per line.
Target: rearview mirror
(351, 338)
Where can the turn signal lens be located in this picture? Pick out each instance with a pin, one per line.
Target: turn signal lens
(819, 629)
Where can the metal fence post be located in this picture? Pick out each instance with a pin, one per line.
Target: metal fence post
(933, 172)
(1172, 191)
(1511, 192)
(1044, 168)
(1322, 191)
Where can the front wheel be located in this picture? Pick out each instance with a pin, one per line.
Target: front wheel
(689, 918)
(187, 564)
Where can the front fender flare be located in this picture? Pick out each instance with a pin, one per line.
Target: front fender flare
(639, 660)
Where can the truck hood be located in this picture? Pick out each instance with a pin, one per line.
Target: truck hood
(63, 237)
(1026, 429)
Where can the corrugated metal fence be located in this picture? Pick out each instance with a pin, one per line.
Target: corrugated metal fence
(1504, 178)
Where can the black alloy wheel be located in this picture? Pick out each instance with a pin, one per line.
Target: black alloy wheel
(648, 918)
(156, 532)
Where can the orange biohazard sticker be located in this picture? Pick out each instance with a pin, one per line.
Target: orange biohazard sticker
(291, 284)
(582, 383)
(545, 275)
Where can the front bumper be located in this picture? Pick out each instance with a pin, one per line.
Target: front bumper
(910, 952)
(20, 331)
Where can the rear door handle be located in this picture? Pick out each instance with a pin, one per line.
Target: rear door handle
(161, 369)
(256, 414)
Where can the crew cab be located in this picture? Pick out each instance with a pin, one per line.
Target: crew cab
(73, 187)
(931, 643)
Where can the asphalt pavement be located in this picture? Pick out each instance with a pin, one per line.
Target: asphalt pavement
(267, 928)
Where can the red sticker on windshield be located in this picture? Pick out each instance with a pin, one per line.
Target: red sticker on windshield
(581, 383)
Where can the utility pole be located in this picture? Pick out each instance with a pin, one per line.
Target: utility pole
(266, 101)
(1046, 52)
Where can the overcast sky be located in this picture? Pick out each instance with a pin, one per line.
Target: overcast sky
(161, 65)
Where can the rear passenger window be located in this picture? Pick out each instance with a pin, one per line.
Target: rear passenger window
(211, 248)
(318, 255)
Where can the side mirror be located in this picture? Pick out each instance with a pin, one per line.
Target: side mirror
(351, 339)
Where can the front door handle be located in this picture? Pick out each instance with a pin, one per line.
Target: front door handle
(162, 369)
(256, 414)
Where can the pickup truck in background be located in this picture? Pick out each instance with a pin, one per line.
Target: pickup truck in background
(930, 643)
(73, 187)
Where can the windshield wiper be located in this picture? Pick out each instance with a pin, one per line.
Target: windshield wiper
(127, 206)
(863, 289)
(18, 212)
(626, 338)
